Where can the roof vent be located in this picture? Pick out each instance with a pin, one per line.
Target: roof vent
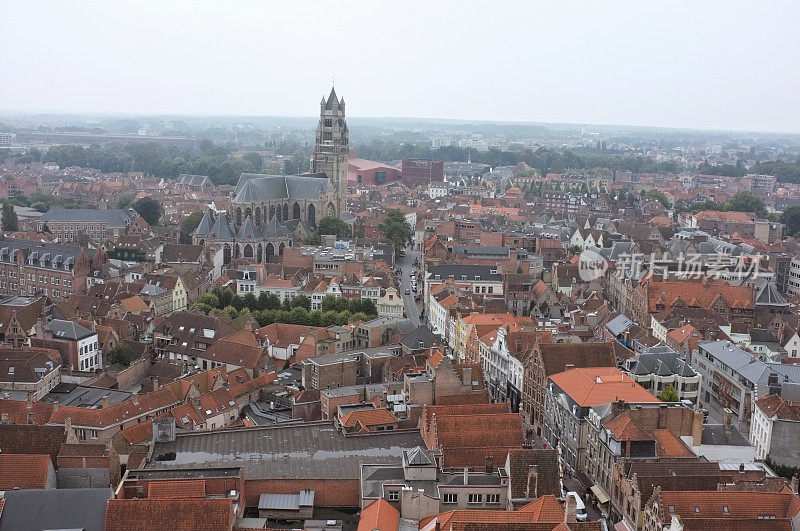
(598, 380)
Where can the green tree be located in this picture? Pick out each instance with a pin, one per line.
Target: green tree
(333, 225)
(10, 221)
(368, 307)
(395, 230)
(255, 159)
(121, 354)
(661, 196)
(250, 301)
(232, 312)
(237, 302)
(312, 239)
(271, 301)
(125, 200)
(300, 316)
(791, 218)
(328, 318)
(669, 394)
(747, 202)
(149, 209)
(301, 301)
(190, 222)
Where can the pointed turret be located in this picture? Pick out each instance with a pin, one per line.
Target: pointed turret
(204, 228)
(248, 230)
(222, 229)
(275, 229)
(332, 99)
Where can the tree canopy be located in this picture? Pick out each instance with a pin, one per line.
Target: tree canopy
(121, 354)
(395, 230)
(669, 394)
(149, 209)
(191, 221)
(10, 221)
(333, 225)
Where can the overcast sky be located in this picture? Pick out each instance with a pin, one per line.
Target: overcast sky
(702, 64)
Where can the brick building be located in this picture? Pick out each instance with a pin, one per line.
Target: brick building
(422, 171)
(53, 270)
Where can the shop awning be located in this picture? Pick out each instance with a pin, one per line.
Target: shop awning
(600, 494)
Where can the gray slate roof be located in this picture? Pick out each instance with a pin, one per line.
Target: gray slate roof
(314, 450)
(114, 217)
(768, 296)
(62, 329)
(618, 325)
(286, 502)
(186, 179)
(422, 337)
(663, 362)
(204, 228)
(55, 509)
(248, 230)
(470, 271)
(256, 188)
(222, 228)
(275, 229)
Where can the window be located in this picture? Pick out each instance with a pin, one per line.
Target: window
(450, 497)
(493, 498)
(393, 495)
(475, 498)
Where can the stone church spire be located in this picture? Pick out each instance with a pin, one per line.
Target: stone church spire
(332, 147)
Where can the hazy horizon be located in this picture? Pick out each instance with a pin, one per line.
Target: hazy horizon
(708, 66)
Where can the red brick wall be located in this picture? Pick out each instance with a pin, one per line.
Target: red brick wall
(327, 492)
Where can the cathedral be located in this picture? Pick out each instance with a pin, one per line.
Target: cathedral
(268, 210)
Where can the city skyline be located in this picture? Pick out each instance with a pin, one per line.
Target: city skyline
(655, 66)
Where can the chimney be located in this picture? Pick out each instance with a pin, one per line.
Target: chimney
(135, 399)
(30, 418)
(466, 475)
(794, 483)
(466, 376)
(56, 405)
(532, 488)
(741, 468)
(104, 402)
(489, 464)
(69, 432)
(29, 400)
(155, 384)
(726, 420)
(572, 508)
(5, 419)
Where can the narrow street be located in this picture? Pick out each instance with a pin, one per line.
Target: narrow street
(406, 265)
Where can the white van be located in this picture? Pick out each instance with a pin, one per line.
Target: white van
(580, 508)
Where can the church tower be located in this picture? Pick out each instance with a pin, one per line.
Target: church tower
(332, 148)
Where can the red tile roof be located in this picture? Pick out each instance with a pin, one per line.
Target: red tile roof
(146, 514)
(118, 413)
(716, 215)
(379, 516)
(739, 505)
(592, 386)
(195, 488)
(139, 433)
(670, 445)
(368, 417)
(24, 471)
(777, 407)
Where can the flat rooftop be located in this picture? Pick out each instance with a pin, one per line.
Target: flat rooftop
(315, 450)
